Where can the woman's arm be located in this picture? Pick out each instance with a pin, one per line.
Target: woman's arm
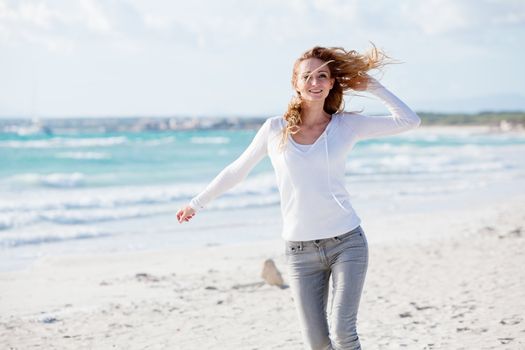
(235, 172)
(402, 118)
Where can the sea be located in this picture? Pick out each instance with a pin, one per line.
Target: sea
(113, 192)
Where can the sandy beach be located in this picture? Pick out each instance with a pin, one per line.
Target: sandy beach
(446, 280)
(117, 118)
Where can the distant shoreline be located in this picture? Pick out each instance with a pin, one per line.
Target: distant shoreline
(497, 121)
(483, 118)
(473, 128)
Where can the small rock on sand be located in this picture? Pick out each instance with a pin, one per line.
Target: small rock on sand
(271, 274)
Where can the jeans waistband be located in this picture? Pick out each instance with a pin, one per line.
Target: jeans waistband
(317, 242)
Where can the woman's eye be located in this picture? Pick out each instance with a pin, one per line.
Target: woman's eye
(320, 76)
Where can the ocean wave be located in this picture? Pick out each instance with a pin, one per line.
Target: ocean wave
(17, 219)
(83, 155)
(209, 140)
(75, 217)
(126, 196)
(55, 180)
(418, 171)
(83, 206)
(158, 142)
(54, 236)
(60, 142)
(68, 217)
(466, 159)
(93, 199)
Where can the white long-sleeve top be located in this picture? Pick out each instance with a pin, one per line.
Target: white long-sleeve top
(314, 201)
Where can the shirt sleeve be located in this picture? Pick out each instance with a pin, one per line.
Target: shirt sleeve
(235, 172)
(401, 117)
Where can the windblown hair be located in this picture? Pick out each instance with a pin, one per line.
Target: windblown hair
(344, 66)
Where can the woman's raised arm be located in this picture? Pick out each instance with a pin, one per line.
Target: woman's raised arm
(401, 117)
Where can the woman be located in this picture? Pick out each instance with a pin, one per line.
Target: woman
(308, 147)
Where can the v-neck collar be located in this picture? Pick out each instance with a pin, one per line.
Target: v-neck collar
(297, 146)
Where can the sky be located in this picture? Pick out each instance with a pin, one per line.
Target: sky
(99, 58)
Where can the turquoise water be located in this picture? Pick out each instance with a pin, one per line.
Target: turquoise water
(118, 159)
(149, 158)
(105, 191)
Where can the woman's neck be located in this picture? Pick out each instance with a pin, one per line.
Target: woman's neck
(313, 114)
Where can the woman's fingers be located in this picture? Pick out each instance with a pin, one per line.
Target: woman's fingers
(360, 83)
(365, 82)
(188, 217)
(185, 214)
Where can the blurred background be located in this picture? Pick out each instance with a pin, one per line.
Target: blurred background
(113, 114)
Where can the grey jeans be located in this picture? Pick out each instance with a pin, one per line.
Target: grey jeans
(310, 265)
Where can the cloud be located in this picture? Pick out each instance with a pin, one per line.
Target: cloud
(127, 45)
(157, 22)
(232, 22)
(344, 10)
(94, 17)
(229, 23)
(37, 15)
(31, 23)
(436, 17)
(63, 25)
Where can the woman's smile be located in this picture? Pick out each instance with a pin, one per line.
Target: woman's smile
(314, 81)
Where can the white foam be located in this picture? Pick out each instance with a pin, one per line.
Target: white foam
(91, 205)
(60, 142)
(49, 235)
(8, 221)
(158, 142)
(210, 140)
(83, 155)
(73, 217)
(59, 180)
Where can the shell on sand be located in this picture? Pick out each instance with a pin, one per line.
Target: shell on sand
(271, 274)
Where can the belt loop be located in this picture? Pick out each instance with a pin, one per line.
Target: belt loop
(301, 245)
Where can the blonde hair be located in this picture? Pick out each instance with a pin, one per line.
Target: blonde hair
(344, 66)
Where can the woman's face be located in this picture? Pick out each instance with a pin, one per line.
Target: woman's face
(313, 80)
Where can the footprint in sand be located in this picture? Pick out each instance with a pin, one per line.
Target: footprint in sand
(511, 320)
(505, 340)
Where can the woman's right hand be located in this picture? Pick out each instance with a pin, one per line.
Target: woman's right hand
(365, 82)
(185, 214)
